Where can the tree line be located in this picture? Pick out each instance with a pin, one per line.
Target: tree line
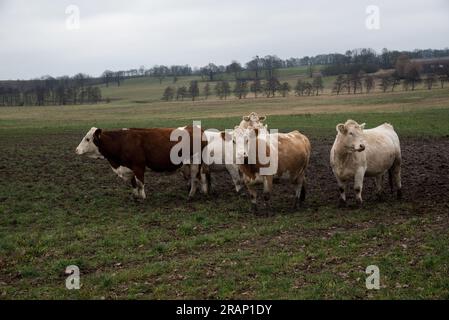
(356, 60)
(222, 89)
(407, 72)
(80, 89)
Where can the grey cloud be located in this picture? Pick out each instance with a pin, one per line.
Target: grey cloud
(122, 35)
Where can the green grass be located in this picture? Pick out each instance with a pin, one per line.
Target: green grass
(57, 209)
(293, 112)
(145, 90)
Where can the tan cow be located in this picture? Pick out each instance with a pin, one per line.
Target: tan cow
(289, 151)
(357, 153)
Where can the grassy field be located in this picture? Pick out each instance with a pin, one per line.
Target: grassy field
(149, 89)
(58, 209)
(146, 90)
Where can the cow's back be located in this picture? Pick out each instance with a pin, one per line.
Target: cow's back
(157, 146)
(382, 148)
(294, 151)
(152, 147)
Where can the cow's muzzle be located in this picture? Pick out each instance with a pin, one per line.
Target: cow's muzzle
(361, 148)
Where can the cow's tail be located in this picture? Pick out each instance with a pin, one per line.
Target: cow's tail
(302, 197)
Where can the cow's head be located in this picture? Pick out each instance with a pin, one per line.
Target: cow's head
(246, 141)
(89, 145)
(253, 121)
(350, 135)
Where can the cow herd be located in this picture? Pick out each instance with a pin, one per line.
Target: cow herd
(250, 153)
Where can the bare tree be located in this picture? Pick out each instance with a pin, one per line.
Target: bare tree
(271, 64)
(256, 87)
(255, 65)
(285, 88)
(181, 93)
(160, 72)
(206, 91)
(271, 86)
(118, 77)
(234, 68)
(169, 93)
(385, 82)
(107, 77)
(222, 89)
(356, 82)
(194, 90)
(338, 84)
(430, 80)
(401, 63)
(226, 88)
(412, 75)
(395, 80)
(219, 89)
(317, 84)
(369, 83)
(241, 89)
(210, 71)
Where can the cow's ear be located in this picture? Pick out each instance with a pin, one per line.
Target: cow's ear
(341, 128)
(246, 118)
(262, 118)
(362, 126)
(224, 135)
(97, 135)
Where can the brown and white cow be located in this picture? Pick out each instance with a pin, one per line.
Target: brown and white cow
(288, 156)
(357, 153)
(131, 151)
(220, 155)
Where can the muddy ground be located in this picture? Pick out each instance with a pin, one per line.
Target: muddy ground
(59, 209)
(425, 178)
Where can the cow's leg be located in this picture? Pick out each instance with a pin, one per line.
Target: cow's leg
(267, 188)
(194, 178)
(396, 171)
(342, 188)
(134, 185)
(185, 172)
(379, 181)
(205, 180)
(358, 185)
(235, 175)
(252, 193)
(300, 195)
(139, 182)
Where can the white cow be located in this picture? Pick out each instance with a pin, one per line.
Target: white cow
(220, 157)
(357, 153)
(253, 121)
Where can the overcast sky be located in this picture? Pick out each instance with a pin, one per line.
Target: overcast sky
(120, 35)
